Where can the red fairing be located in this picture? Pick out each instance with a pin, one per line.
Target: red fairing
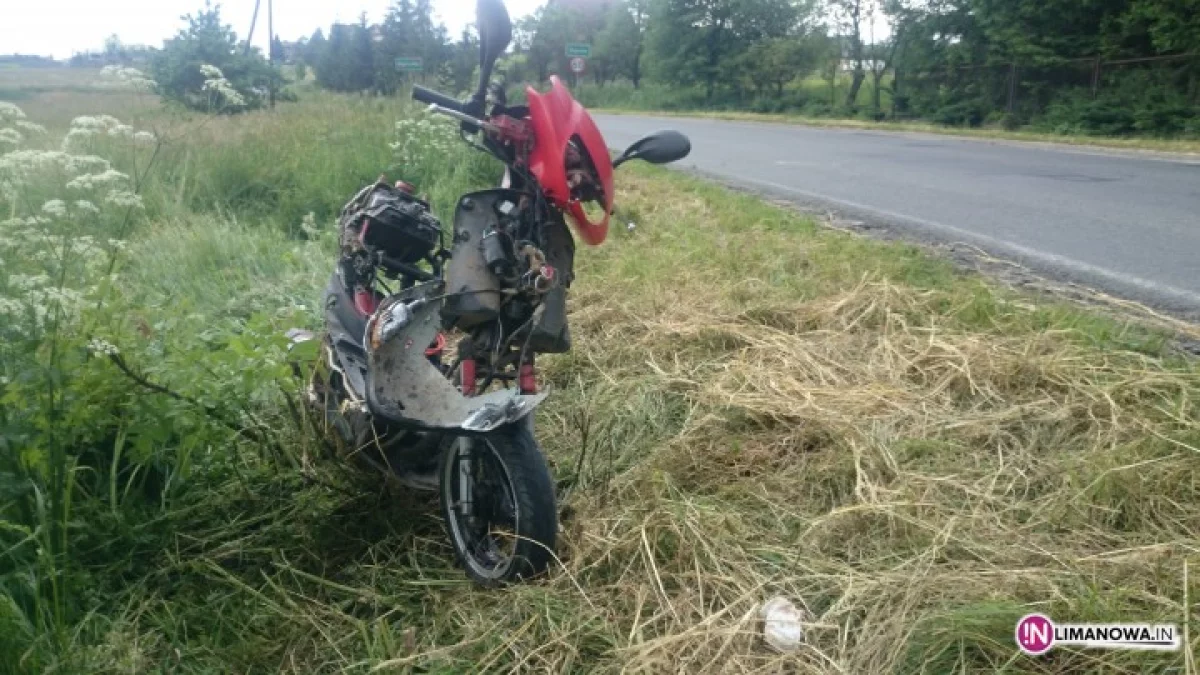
(556, 117)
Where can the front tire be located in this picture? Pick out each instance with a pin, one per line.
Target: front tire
(505, 530)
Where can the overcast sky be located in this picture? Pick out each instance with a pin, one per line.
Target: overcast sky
(59, 28)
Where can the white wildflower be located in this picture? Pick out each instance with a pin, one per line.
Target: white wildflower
(124, 199)
(56, 208)
(10, 307)
(67, 298)
(86, 163)
(128, 77)
(28, 282)
(25, 161)
(9, 111)
(10, 137)
(86, 126)
(40, 304)
(102, 347)
(30, 127)
(88, 251)
(216, 83)
(145, 138)
(84, 206)
(308, 224)
(97, 122)
(75, 136)
(90, 181)
(20, 165)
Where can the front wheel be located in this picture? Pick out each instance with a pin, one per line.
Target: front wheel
(498, 502)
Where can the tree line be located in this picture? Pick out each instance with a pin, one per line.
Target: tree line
(1060, 64)
(1095, 66)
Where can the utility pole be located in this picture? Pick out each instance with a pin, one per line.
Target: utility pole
(253, 21)
(271, 49)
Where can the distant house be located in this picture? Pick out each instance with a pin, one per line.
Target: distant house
(28, 61)
(292, 52)
(847, 65)
(137, 56)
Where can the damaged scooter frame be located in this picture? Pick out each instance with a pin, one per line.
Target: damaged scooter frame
(389, 393)
(406, 388)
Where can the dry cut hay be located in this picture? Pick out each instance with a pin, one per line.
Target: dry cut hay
(917, 484)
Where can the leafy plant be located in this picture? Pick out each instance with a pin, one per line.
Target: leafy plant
(204, 68)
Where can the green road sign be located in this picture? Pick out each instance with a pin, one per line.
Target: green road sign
(579, 50)
(410, 64)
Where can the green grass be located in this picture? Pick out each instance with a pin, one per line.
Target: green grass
(1147, 144)
(753, 406)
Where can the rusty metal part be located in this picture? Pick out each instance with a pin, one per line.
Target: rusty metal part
(535, 256)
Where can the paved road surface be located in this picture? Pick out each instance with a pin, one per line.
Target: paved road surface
(1125, 223)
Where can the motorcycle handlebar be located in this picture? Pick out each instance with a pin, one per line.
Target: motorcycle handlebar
(425, 95)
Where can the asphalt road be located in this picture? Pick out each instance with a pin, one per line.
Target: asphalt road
(1125, 223)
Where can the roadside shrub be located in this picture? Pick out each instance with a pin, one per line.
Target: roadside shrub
(961, 114)
(818, 109)
(1164, 117)
(203, 68)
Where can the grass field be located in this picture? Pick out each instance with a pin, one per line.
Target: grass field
(754, 406)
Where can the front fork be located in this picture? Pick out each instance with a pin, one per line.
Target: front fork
(527, 378)
(462, 448)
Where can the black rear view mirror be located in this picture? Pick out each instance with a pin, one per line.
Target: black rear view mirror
(495, 34)
(663, 147)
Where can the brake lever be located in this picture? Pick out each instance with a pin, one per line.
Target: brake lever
(462, 117)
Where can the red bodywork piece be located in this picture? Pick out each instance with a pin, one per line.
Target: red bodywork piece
(557, 116)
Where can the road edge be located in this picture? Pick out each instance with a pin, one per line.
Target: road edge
(1083, 148)
(993, 260)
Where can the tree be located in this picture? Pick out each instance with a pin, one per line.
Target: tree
(558, 24)
(774, 62)
(408, 30)
(347, 62)
(207, 41)
(458, 73)
(114, 51)
(883, 54)
(619, 45)
(545, 29)
(314, 49)
(697, 41)
(848, 16)
(1170, 25)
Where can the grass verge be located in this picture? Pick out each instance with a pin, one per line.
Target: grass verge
(1180, 146)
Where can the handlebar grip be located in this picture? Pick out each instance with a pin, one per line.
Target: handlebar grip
(425, 95)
